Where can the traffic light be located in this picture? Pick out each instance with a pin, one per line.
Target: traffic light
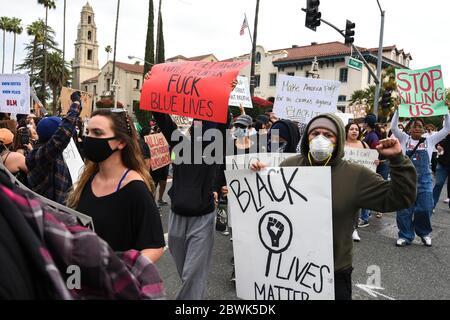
(386, 99)
(349, 32)
(312, 14)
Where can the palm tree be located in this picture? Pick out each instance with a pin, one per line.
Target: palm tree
(48, 4)
(57, 70)
(108, 50)
(36, 30)
(64, 39)
(16, 29)
(5, 23)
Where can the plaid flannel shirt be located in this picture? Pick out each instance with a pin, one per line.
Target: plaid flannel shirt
(62, 243)
(48, 174)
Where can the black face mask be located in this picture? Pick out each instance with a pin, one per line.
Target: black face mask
(97, 149)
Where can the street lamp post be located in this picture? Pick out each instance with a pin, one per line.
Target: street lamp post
(379, 62)
(133, 57)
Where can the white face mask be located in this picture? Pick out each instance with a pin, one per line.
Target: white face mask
(321, 148)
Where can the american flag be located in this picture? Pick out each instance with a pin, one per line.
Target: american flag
(244, 25)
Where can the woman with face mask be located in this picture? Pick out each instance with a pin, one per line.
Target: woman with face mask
(353, 135)
(353, 187)
(242, 142)
(417, 218)
(115, 188)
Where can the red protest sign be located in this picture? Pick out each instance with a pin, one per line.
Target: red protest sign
(159, 150)
(199, 90)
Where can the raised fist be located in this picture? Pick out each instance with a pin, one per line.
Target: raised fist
(275, 229)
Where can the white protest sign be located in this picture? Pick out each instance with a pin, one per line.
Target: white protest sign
(241, 94)
(15, 93)
(345, 117)
(181, 121)
(364, 157)
(243, 161)
(282, 233)
(301, 99)
(73, 161)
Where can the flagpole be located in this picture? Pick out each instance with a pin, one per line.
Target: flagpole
(248, 27)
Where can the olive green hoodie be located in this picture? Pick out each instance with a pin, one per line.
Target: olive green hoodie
(355, 187)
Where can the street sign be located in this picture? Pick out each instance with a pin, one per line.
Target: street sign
(354, 63)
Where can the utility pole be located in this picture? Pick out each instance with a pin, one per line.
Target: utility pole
(252, 67)
(379, 64)
(115, 50)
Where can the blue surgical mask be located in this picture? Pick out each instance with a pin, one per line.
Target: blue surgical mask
(240, 133)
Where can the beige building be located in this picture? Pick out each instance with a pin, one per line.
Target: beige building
(85, 62)
(129, 78)
(297, 61)
(205, 58)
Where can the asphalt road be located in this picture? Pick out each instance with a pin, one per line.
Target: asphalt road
(414, 272)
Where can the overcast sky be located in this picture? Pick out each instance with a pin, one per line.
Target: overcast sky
(196, 27)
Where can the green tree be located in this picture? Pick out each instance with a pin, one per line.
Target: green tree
(48, 4)
(5, 26)
(144, 116)
(16, 29)
(57, 69)
(108, 50)
(160, 53)
(35, 30)
(33, 62)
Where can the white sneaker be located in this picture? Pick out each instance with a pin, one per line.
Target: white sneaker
(402, 242)
(427, 241)
(355, 236)
(447, 200)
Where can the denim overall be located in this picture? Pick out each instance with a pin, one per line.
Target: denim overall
(418, 218)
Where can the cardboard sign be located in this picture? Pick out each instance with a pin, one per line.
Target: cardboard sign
(241, 94)
(199, 90)
(73, 161)
(364, 157)
(159, 150)
(301, 99)
(181, 121)
(86, 102)
(282, 233)
(15, 93)
(358, 110)
(422, 92)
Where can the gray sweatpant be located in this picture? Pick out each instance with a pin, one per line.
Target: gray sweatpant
(191, 242)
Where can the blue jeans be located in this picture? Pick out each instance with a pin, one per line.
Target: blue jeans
(383, 170)
(421, 224)
(442, 172)
(365, 215)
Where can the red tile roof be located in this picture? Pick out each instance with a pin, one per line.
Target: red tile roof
(134, 68)
(317, 50)
(199, 58)
(93, 79)
(196, 58)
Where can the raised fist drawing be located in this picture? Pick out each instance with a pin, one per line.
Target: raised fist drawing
(275, 229)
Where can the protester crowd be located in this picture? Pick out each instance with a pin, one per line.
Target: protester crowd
(119, 190)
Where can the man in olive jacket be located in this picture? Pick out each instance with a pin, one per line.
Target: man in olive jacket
(353, 187)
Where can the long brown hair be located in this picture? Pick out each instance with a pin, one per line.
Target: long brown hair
(131, 155)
